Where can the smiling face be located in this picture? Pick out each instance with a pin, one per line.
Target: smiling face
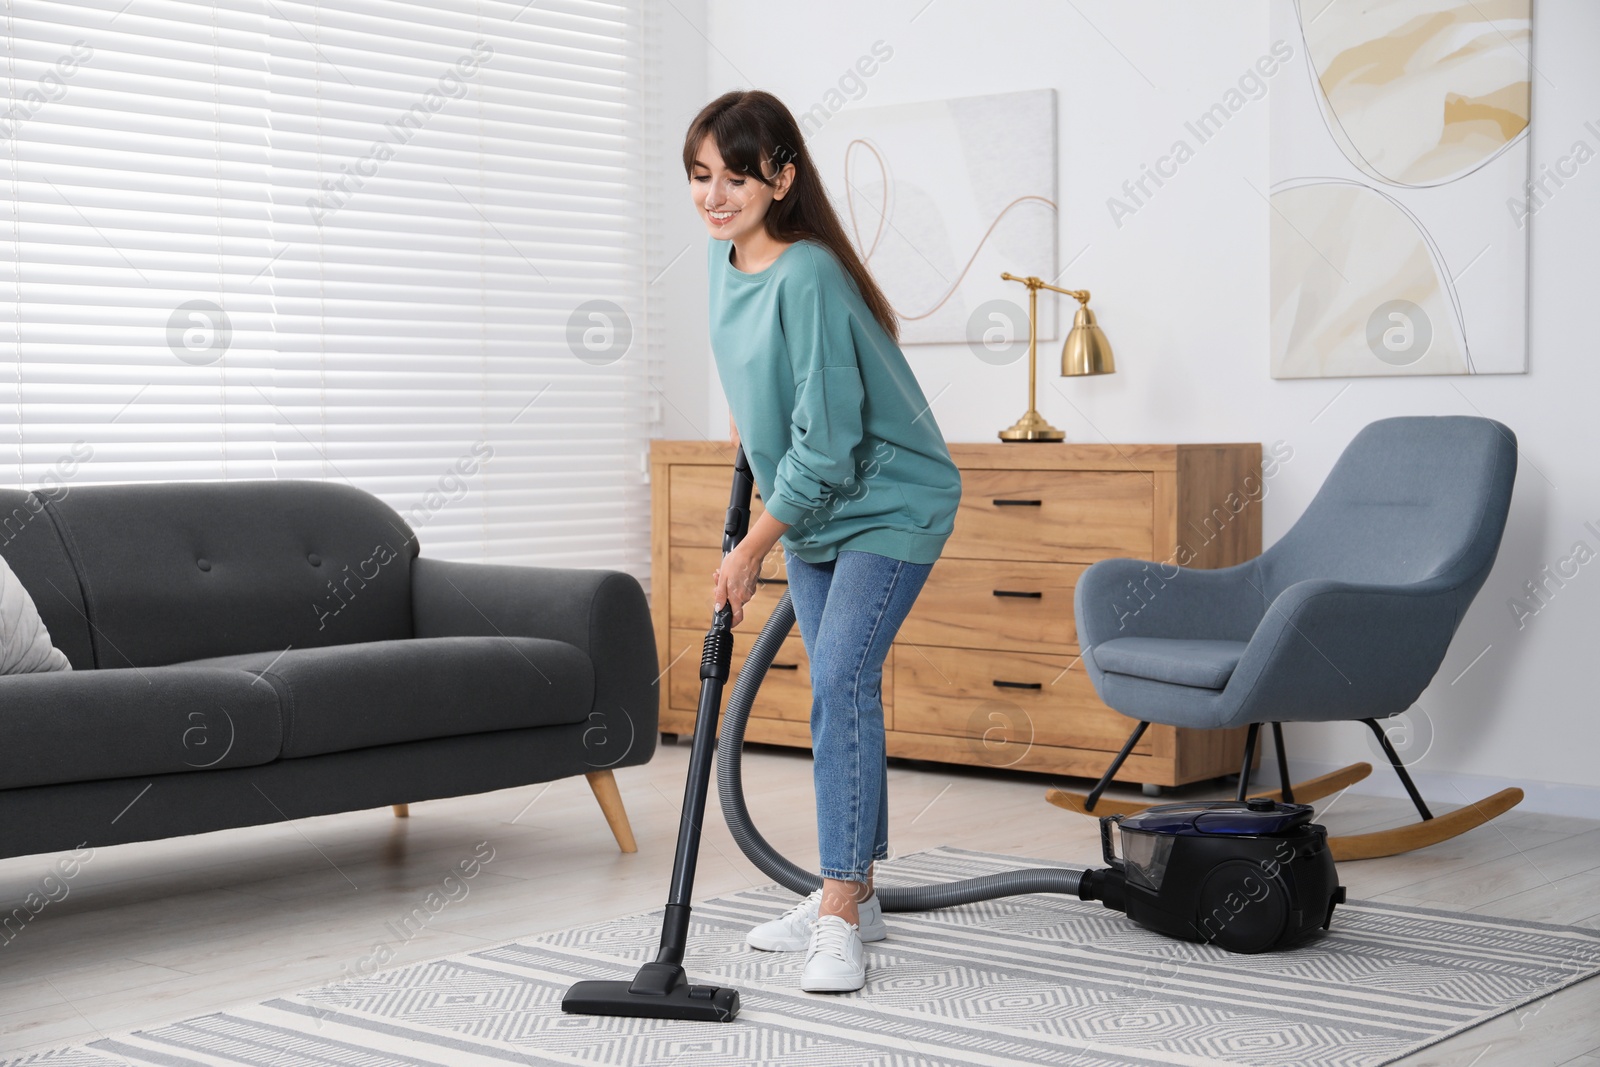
(733, 205)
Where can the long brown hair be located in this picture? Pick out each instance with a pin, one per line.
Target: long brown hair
(749, 125)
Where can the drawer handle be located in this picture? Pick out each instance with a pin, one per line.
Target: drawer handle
(783, 666)
(1018, 685)
(1019, 503)
(771, 581)
(1017, 592)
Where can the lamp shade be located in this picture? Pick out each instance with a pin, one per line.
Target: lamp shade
(1087, 351)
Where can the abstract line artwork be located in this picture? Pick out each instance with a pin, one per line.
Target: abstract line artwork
(1399, 162)
(940, 197)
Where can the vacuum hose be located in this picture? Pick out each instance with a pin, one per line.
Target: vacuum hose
(730, 785)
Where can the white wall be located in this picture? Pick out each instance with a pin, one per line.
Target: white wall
(680, 88)
(1182, 290)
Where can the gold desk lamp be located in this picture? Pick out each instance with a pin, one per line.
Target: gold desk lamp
(1086, 352)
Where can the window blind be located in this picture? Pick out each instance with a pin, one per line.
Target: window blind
(423, 228)
(136, 162)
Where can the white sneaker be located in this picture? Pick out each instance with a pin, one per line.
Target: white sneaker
(835, 960)
(791, 931)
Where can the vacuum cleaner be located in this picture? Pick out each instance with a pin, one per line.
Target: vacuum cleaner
(1247, 876)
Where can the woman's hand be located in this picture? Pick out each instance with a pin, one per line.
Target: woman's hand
(735, 581)
(733, 432)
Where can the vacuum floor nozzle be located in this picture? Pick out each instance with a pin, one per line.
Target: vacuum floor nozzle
(658, 991)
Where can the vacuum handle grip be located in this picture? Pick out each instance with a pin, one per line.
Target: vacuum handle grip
(1107, 850)
(735, 525)
(737, 521)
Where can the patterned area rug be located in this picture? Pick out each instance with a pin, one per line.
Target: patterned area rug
(1025, 980)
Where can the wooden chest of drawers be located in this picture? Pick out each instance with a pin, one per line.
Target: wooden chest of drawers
(985, 669)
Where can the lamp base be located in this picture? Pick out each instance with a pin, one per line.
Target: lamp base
(1032, 427)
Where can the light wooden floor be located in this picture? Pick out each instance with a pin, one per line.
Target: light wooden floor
(169, 929)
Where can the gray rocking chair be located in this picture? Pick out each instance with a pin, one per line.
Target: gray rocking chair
(1347, 616)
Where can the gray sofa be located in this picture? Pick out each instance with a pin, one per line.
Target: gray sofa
(250, 652)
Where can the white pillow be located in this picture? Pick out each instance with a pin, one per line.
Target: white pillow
(24, 642)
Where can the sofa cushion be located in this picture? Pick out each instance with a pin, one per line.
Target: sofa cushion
(34, 551)
(180, 571)
(1202, 664)
(384, 692)
(25, 645)
(81, 726)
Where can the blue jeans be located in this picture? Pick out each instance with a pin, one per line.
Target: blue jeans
(849, 610)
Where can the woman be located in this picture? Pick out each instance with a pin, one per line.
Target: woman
(852, 469)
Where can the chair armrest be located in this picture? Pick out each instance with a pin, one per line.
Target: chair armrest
(1330, 650)
(603, 612)
(1137, 598)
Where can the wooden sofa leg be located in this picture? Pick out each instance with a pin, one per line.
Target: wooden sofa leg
(402, 811)
(604, 784)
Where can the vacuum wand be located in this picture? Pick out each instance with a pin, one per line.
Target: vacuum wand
(661, 989)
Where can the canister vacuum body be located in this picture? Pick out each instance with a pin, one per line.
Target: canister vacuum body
(1250, 876)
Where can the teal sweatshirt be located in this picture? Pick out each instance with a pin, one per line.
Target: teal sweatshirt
(842, 443)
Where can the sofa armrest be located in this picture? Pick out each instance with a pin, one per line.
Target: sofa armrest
(1137, 598)
(602, 612)
(1330, 650)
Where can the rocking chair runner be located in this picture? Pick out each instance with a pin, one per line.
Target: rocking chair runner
(1347, 616)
